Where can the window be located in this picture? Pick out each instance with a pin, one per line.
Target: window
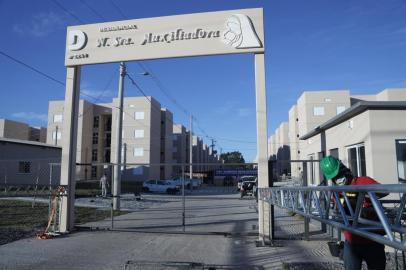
(175, 149)
(95, 139)
(139, 115)
(138, 170)
(327, 99)
(334, 152)
(138, 152)
(401, 159)
(96, 121)
(131, 105)
(56, 136)
(57, 118)
(94, 172)
(356, 159)
(94, 155)
(24, 167)
(139, 133)
(340, 109)
(318, 111)
(108, 140)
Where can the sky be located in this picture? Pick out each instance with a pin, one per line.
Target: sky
(356, 45)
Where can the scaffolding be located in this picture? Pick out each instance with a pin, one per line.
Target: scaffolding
(342, 208)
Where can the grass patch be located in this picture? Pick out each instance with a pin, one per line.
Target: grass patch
(19, 219)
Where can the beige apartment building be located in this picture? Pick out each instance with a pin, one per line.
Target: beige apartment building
(94, 135)
(21, 131)
(166, 143)
(147, 139)
(180, 148)
(364, 131)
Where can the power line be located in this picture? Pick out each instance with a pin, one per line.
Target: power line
(32, 68)
(67, 11)
(117, 8)
(160, 86)
(93, 10)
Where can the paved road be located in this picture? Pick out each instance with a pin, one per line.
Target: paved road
(205, 213)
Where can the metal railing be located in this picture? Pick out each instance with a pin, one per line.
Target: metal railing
(342, 207)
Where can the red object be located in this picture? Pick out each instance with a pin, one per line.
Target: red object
(360, 181)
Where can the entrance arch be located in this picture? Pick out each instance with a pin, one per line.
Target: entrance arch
(200, 34)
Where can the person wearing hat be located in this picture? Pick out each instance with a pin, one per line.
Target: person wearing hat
(356, 248)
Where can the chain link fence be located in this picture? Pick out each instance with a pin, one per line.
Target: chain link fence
(27, 190)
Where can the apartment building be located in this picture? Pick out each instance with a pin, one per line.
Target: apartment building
(368, 137)
(147, 139)
(141, 138)
(166, 155)
(21, 131)
(364, 131)
(282, 149)
(94, 135)
(180, 144)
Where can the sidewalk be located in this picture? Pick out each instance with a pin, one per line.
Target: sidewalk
(112, 249)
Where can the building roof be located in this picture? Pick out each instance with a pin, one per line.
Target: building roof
(354, 110)
(33, 143)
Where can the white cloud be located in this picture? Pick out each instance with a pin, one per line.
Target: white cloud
(31, 116)
(40, 25)
(96, 94)
(242, 112)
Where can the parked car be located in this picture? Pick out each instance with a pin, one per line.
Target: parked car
(243, 179)
(196, 183)
(160, 186)
(249, 188)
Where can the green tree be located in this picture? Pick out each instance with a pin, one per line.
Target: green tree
(232, 157)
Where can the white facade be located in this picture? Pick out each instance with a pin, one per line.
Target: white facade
(367, 142)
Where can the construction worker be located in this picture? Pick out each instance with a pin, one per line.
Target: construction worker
(356, 248)
(104, 185)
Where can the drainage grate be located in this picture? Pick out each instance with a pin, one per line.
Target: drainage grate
(145, 265)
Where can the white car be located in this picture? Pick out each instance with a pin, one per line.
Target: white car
(196, 183)
(160, 186)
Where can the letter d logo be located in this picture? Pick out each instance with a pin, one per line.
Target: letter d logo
(76, 40)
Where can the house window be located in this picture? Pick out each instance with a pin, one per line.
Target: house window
(138, 152)
(24, 167)
(340, 109)
(318, 111)
(96, 121)
(56, 135)
(139, 133)
(356, 159)
(401, 159)
(95, 139)
(57, 118)
(139, 115)
(94, 155)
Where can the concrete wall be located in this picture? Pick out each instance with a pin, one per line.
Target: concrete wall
(37, 158)
(14, 130)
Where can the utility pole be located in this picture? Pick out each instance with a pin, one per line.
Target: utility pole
(191, 148)
(117, 170)
(56, 135)
(213, 143)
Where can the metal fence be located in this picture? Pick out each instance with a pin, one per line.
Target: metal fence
(177, 202)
